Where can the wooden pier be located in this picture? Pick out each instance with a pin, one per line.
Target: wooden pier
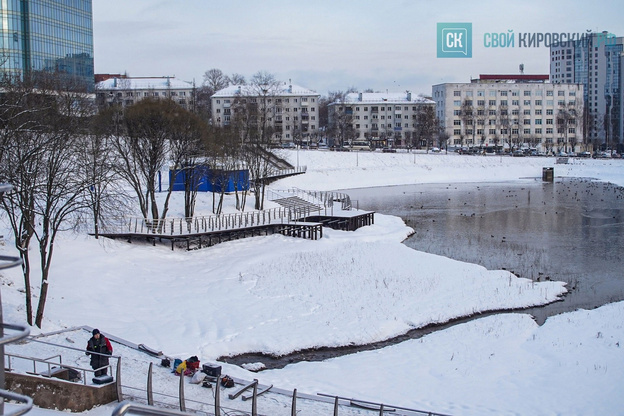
(307, 230)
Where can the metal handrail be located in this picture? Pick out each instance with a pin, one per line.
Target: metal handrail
(7, 262)
(24, 332)
(126, 407)
(5, 394)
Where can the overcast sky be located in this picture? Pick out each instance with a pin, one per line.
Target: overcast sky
(331, 44)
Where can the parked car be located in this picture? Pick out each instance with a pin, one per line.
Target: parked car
(435, 149)
(518, 153)
(584, 154)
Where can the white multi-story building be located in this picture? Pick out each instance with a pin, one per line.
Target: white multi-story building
(128, 90)
(383, 119)
(291, 110)
(511, 111)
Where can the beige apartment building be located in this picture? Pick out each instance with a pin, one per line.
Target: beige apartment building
(512, 112)
(290, 110)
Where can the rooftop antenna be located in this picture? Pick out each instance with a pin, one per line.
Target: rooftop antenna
(521, 69)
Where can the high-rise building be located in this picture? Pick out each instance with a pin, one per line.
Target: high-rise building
(595, 62)
(47, 35)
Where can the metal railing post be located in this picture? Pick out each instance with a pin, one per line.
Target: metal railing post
(118, 381)
(217, 396)
(181, 393)
(150, 391)
(293, 409)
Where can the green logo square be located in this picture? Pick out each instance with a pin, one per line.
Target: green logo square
(454, 40)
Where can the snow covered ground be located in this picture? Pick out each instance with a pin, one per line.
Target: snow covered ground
(278, 294)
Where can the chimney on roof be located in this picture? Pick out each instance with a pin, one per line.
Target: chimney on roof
(115, 82)
(168, 81)
(360, 96)
(409, 95)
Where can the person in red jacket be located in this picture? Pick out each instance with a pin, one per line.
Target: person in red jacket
(99, 344)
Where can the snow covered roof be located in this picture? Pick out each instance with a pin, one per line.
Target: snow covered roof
(386, 98)
(282, 89)
(143, 83)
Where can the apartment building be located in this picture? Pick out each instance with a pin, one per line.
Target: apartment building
(382, 119)
(595, 62)
(124, 90)
(511, 112)
(290, 110)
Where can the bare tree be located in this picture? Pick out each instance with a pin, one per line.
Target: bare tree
(341, 119)
(426, 124)
(237, 79)
(95, 159)
(253, 120)
(468, 120)
(39, 152)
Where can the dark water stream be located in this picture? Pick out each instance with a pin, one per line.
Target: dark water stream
(569, 230)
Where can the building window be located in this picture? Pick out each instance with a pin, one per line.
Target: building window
(492, 131)
(549, 93)
(538, 131)
(457, 122)
(456, 93)
(503, 93)
(514, 131)
(527, 121)
(549, 130)
(538, 121)
(527, 102)
(457, 103)
(538, 102)
(527, 112)
(549, 112)
(527, 131)
(527, 93)
(492, 102)
(480, 103)
(515, 102)
(456, 132)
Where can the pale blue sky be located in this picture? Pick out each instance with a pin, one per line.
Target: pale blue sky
(331, 45)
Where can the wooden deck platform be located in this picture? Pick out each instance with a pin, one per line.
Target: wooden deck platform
(307, 230)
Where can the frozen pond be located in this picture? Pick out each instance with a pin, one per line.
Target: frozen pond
(569, 230)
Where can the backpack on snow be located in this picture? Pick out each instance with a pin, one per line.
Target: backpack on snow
(227, 381)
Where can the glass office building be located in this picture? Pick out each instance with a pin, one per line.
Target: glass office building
(47, 35)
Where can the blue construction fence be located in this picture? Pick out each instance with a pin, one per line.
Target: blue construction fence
(205, 179)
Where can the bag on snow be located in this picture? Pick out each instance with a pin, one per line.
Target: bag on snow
(198, 377)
